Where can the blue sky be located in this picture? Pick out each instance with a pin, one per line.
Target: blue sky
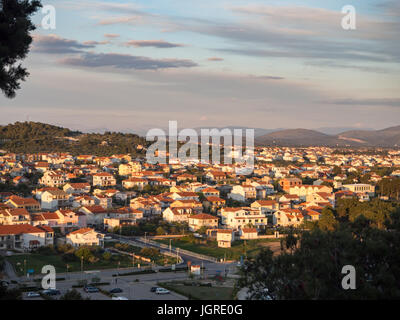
(134, 65)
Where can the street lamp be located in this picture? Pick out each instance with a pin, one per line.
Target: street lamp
(81, 267)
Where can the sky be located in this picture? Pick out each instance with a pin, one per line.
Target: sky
(134, 65)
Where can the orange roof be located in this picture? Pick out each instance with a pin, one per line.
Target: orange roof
(82, 231)
(204, 216)
(19, 229)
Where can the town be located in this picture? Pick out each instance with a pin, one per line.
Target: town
(117, 227)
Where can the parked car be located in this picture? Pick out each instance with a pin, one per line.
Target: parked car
(91, 289)
(4, 283)
(116, 290)
(32, 294)
(162, 291)
(51, 292)
(119, 298)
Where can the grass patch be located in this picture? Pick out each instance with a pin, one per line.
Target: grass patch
(200, 292)
(37, 261)
(210, 247)
(153, 254)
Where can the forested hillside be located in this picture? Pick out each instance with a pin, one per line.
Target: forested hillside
(32, 137)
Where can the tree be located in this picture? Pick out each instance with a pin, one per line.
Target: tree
(160, 231)
(72, 295)
(15, 28)
(314, 269)
(327, 219)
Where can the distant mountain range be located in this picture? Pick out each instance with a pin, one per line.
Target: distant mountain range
(389, 137)
(37, 137)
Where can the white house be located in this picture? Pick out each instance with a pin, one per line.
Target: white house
(85, 237)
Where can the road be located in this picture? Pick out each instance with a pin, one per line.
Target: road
(135, 287)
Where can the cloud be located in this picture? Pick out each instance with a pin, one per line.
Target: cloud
(367, 102)
(119, 20)
(125, 61)
(111, 35)
(268, 77)
(95, 43)
(53, 44)
(215, 59)
(153, 43)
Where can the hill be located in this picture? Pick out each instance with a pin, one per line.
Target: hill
(298, 137)
(389, 137)
(33, 137)
(385, 138)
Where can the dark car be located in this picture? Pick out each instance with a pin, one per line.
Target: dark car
(51, 292)
(91, 289)
(116, 290)
(153, 289)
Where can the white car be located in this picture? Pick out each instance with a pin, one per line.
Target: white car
(32, 294)
(119, 298)
(162, 291)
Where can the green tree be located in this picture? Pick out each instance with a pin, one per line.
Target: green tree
(73, 295)
(314, 269)
(15, 29)
(327, 219)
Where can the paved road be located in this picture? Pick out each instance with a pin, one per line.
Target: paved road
(133, 289)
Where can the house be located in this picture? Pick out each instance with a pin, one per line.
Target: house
(83, 201)
(177, 214)
(135, 182)
(305, 190)
(216, 176)
(77, 188)
(311, 214)
(288, 217)
(25, 237)
(202, 220)
(68, 219)
(225, 237)
(12, 216)
(214, 203)
(111, 223)
(103, 200)
(29, 204)
(85, 237)
(243, 193)
(150, 206)
(186, 177)
(210, 192)
(53, 179)
(129, 168)
(288, 183)
(248, 234)
(195, 205)
(55, 199)
(239, 218)
(104, 179)
(266, 207)
(360, 188)
(94, 214)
